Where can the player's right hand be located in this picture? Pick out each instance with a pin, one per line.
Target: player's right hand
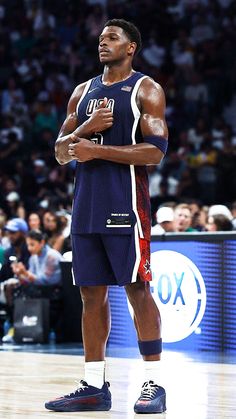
(101, 119)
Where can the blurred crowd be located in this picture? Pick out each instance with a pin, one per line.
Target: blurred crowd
(190, 217)
(48, 47)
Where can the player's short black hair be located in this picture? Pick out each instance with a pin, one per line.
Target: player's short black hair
(130, 29)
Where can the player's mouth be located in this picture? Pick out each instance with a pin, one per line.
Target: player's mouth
(103, 51)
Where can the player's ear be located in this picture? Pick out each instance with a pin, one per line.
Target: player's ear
(131, 48)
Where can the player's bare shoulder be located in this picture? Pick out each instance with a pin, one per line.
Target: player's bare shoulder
(75, 97)
(150, 91)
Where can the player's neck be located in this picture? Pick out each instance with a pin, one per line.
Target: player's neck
(114, 74)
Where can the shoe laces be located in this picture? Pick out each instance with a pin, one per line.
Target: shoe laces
(81, 386)
(149, 390)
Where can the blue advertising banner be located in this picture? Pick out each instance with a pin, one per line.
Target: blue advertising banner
(194, 286)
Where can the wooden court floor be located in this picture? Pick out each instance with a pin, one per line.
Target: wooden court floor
(195, 389)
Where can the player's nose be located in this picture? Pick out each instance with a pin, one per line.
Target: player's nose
(102, 43)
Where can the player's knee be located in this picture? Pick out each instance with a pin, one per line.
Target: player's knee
(93, 296)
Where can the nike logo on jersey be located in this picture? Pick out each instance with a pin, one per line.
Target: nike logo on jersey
(92, 90)
(94, 103)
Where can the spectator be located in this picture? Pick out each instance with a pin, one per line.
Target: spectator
(54, 230)
(195, 95)
(43, 20)
(9, 127)
(4, 241)
(220, 209)
(39, 172)
(95, 22)
(197, 134)
(153, 53)
(199, 215)
(40, 279)
(165, 221)
(9, 95)
(183, 218)
(16, 229)
(233, 212)
(44, 261)
(46, 119)
(201, 31)
(218, 222)
(14, 206)
(34, 221)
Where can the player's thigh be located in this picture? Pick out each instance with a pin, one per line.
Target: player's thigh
(90, 265)
(129, 257)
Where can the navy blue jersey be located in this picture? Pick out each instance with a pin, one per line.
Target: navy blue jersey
(109, 197)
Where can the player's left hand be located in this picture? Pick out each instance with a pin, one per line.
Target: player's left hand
(82, 151)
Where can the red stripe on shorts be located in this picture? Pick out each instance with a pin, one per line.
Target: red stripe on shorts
(144, 270)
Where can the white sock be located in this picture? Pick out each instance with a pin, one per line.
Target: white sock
(151, 371)
(94, 373)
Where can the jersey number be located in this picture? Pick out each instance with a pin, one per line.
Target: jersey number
(97, 138)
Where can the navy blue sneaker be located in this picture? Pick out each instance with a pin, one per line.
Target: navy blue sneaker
(151, 400)
(84, 398)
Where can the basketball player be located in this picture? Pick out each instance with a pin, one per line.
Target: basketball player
(115, 126)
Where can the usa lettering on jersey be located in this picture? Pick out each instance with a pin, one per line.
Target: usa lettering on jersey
(94, 103)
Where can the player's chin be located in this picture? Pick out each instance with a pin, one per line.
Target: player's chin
(104, 59)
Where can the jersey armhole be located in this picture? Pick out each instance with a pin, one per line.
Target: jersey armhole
(86, 88)
(134, 105)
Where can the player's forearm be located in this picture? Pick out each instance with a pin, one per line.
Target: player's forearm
(137, 154)
(63, 141)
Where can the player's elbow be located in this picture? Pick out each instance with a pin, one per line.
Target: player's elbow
(156, 156)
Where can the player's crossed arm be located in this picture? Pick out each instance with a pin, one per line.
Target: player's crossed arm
(70, 132)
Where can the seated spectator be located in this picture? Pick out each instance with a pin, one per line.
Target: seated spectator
(34, 221)
(4, 240)
(153, 53)
(46, 119)
(16, 230)
(65, 220)
(199, 215)
(95, 21)
(165, 221)
(197, 134)
(10, 94)
(218, 222)
(44, 268)
(54, 231)
(183, 218)
(220, 209)
(14, 205)
(201, 30)
(40, 279)
(9, 127)
(195, 95)
(233, 211)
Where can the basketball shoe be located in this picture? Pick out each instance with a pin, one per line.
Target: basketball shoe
(85, 397)
(151, 400)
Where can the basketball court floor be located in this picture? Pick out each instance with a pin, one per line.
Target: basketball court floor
(198, 385)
